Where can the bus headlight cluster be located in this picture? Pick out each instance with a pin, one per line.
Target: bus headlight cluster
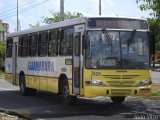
(95, 82)
(144, 82)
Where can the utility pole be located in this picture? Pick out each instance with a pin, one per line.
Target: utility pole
(17, 18)
(100, 7)
(62, 10)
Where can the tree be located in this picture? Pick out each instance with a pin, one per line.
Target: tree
(2, 55)
(34, 26)
(153, 5)
(154, 26)
(56, 17)
(154, 23)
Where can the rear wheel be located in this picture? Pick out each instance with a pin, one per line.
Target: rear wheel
(68, 99)
(117, 100)
(22, 86)
(31, 91)
(23, 89)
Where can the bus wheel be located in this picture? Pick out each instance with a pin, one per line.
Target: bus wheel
(68, 99)
(22, 85)
(117, 100)
(31, 91)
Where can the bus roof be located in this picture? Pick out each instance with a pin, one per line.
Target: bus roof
(62, 24)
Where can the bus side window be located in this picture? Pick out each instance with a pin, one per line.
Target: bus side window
(66, 41)
(23, 46)
(53, 43)
(42, 44)
(33, 45)
(9, 48)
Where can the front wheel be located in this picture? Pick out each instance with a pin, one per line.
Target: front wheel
(67, 98)
(117, 100)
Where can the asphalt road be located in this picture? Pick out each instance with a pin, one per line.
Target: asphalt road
(47, 106)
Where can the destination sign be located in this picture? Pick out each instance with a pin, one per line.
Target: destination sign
(117, 23)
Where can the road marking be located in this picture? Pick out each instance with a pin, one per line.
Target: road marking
(6, 89)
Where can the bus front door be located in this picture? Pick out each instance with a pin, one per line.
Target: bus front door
(14, 59)
(76, 68)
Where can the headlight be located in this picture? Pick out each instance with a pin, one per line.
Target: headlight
(144, 82)
(95, 82)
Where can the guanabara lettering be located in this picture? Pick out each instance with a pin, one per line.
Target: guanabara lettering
(41, 66)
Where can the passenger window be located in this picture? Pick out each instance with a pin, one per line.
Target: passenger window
(23, 46)
(53, 43)
(66, 42)
(42, 44)
(9, 48)
(33, 45)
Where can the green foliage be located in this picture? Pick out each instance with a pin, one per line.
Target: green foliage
(2, 54)
(153, 5)
(56, 17)
(34, 26)
(154, 25)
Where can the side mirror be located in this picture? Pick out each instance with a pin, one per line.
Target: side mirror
(84, 42)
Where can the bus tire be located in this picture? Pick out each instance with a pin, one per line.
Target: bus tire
(67, 98)
(118, 100)
(22, 84)
(31, 91)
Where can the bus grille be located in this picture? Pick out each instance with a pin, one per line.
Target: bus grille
(123, 83)
(121, 80)
(121, 92)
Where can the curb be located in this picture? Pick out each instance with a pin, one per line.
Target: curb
(8, 114)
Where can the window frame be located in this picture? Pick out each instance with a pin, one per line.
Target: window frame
(21, 46)
(40, 44)
(30, 54)
(56, 41)
(62, 36)
(9, 49)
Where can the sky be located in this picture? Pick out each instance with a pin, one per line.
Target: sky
(42, 8)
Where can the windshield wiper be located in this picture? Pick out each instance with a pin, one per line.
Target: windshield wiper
(107, 36)
(131, 37)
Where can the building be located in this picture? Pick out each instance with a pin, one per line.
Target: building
(4, 27)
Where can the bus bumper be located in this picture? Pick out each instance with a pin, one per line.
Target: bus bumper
(94, 91)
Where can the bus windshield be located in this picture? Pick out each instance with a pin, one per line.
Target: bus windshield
(112, 49)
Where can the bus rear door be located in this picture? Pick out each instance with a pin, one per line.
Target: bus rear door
(14, 59)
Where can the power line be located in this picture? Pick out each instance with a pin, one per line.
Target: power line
(12, 5)
(23, 10)
(5, 11)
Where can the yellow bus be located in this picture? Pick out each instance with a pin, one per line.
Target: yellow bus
(83, 57)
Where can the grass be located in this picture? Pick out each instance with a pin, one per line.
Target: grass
(155, 89)
(1, 74)
(155, 94)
